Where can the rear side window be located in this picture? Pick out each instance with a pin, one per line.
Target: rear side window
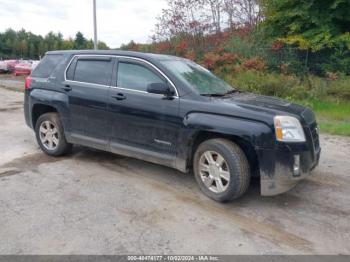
(137, 77)
(90, 70)
(47, 65)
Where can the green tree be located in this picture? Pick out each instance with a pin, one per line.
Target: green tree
(80, 41)
(312, 24)
(89, 44)
(102, 45)
(68, 44)
(320, 27)
(24, 44)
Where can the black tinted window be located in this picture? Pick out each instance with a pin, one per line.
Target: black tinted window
(47, 65)
(93, 71)
(136, 77)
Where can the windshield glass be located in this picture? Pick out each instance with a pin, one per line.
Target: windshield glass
(196, 76)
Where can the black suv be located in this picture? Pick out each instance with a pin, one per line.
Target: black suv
(171, 111)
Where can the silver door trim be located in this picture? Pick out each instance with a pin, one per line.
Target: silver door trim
(120, 56)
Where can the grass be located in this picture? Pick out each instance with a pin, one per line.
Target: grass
(333, 128)
(333, 116)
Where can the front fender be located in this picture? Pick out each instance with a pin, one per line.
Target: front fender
(258, 134)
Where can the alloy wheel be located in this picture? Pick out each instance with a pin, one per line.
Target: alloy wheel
(49, 135)
(214, 171)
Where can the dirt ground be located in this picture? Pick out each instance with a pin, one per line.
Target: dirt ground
(12, 82)
(92, 202)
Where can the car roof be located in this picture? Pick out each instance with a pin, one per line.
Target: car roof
(117, 53)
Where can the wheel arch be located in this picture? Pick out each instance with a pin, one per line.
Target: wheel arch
(248, 134)
(39, 109)
(244, 144)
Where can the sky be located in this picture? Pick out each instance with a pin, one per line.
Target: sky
(118, 21)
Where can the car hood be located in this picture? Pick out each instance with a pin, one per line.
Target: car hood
(269, 105)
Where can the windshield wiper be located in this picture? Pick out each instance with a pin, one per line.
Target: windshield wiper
(221, 94)
(231, 91)
(213, 94)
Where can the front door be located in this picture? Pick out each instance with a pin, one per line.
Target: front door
(144, 125)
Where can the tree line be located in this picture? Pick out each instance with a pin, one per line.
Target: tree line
(198, 18)
(311, 34)
(26, 45)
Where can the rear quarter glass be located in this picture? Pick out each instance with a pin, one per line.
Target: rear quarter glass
(47, 65)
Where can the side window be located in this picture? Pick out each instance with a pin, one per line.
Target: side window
(137, 77)
(92, 71)
(47, 65)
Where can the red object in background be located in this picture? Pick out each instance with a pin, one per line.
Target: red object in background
(11, 64)
(23, 69)
(28, 82)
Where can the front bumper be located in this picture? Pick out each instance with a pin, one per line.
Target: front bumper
(283, 167)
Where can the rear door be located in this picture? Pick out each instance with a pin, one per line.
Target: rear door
(144, 125)
(87, 84)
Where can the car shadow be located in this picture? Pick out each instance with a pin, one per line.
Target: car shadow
(181, 184)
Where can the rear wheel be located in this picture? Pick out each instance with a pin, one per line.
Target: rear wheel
(50, 135)
(221, 169)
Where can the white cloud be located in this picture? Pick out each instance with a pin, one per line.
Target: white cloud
(119, 21)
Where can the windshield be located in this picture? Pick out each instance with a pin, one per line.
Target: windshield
(199, 78)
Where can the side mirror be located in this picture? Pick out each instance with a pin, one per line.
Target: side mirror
(159, 88)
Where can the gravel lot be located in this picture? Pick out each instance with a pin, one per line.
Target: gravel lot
(12, 82)
(92, 202)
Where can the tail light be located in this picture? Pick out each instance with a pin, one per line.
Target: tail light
(27, 83)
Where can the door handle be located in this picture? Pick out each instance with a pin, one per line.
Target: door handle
(67, 88)
(119, 96)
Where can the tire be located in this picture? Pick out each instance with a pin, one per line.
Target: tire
(59, 144)
(234, 172)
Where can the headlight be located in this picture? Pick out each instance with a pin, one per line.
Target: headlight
(288, 129)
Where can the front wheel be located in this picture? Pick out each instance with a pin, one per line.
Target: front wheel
(221, 169)
(50, 135)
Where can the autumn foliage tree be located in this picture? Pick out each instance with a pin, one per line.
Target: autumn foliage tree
(201, 17)
(199, 25)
